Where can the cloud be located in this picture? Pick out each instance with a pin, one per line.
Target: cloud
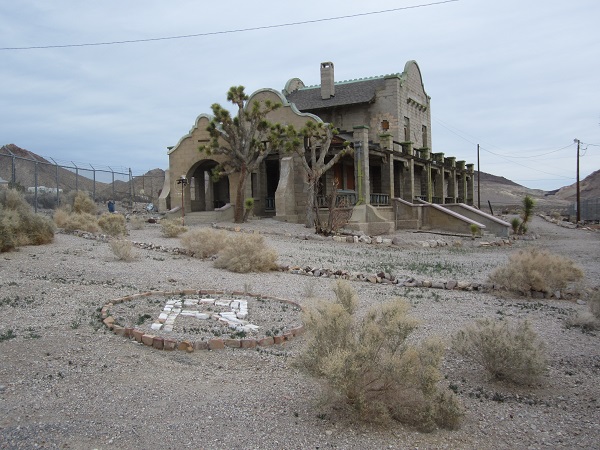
(514, 76)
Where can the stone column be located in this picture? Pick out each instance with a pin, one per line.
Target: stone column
(285, 195)
(470, 179)
(409, 181)
(361, 164)
(387, 172)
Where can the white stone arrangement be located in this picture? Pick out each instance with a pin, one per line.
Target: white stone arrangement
(190, 307)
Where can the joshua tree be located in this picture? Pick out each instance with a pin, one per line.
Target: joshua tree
(245, 140)
(317, 139)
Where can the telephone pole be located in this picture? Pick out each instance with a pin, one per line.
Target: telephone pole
(478, 180)
(578, 196)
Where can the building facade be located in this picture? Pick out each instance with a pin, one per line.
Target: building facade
(387, 120)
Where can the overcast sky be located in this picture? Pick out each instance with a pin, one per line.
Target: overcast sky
(519, 77)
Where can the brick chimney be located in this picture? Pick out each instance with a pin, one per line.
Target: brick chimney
(327, 81)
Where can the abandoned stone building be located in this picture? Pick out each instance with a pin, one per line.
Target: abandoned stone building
(393, 179)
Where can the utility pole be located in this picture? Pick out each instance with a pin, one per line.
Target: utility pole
(478, 180)
(578, 196)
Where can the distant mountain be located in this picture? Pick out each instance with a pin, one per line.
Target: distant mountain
(589, 187)
(25, 171)
(146, 186)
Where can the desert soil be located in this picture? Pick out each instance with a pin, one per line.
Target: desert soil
(66, 382)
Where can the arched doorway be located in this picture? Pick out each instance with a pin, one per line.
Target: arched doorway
(206, 194)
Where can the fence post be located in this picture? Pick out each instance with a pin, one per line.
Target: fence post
(94, 184)
(76, 176)
(131, 187)
(35, 197)
(57, 183)
(113, 181)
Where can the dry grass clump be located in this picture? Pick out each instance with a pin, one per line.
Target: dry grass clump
(369, 364)
(19, 225)
(204, 242)
(536, 270)
(137, 223)
(113, 224)
(76, 221)
(588, 320)
(123, 249)
(172, 228)
(245, 253)
(82, 203)
(511, 352)
(78, 213)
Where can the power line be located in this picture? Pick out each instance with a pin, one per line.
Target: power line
(239, 30)
(532, 156)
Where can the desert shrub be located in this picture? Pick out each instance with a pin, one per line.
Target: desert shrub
(76, 221)
(584, 320)
(515, 224)
(246, 253)
(536, 270)
(511, 352)
(122, 249)
(594, 303)
(248, 207)
(588, 320)
(136, 223)
(61, 216)
(45, 200)
(172, 228)
(113, 224)
(78, 213)
(204, 242)
(19, 225)
(80, 202)
(474, 230)
(369, 363)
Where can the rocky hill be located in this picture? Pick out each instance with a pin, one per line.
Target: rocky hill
(589, 187)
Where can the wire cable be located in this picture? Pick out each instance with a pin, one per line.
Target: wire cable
(239, 30)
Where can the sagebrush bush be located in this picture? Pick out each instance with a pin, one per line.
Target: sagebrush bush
(172, 228)
(536, 270)
(246, 253)
(82, 203)
(123, 249)
(204, 242)
(113, 224)
(137, 223)
(588, 320)
(370, 364)
(594, 303)
(76, 221)
(508, 351)
(19, 225)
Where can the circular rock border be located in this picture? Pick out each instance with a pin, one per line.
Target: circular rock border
(188, 345)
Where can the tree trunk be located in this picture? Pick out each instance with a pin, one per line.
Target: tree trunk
(310, 205)
(238, 211)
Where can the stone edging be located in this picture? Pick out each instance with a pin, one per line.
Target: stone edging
(379, 277)
(162, 343)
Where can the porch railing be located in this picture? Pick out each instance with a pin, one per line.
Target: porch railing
(421, 197)
(448, 200)
(436, 200)
(380, 199)
(343, 199)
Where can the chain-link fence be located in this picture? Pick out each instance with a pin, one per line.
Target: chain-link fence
(590, 210)
(47, 183)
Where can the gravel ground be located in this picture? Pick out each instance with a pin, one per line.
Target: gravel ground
(67, 383)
